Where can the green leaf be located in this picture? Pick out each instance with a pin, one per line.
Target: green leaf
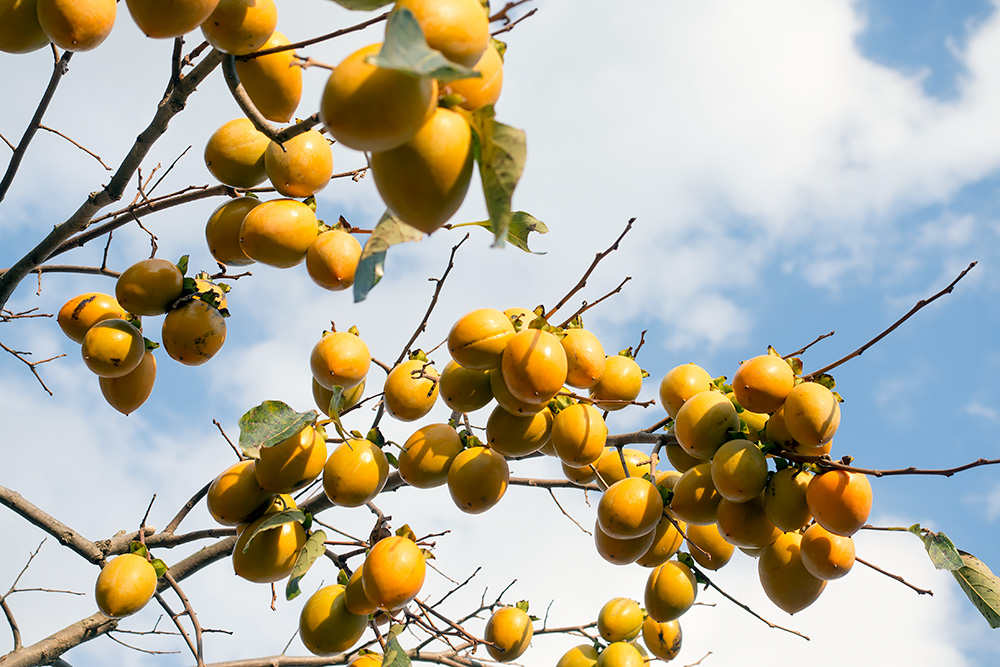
(522, 605)
(796, 365)
(500, 153)
(343, 578)
(389, 231)
(311, 550)
(138, 548)
(273, 521)
(521, 225)
(182, 264)
(826, 380)
(159, 567)
(363, 5)
(337, 402)
(395, 656)
(941, 550)
(982, 587)
(405, 50)
(393, 461)
(269, 423)
(375, 436)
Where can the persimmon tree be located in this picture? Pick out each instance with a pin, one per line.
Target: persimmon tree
(720, 464)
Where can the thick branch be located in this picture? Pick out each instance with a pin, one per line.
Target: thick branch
(54, 527)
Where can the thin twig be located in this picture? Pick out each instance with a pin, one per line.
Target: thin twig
(748, 609)
(189, 610)
(316, 40)
(85, 150)
(32, 365)
(826, 463)
(801, 350)
(186, 509)
(239, 453)
(584, 307)
(566, 514)
(921, 591)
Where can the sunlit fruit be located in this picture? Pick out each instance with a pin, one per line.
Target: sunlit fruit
(300, 167)
(739, 470)
(128, 392)
(354, 595)
(670, 591)
(149, 287)
(240, 27)
(485, 89)
(630, 508)
(355, 473)
(77, 25)
(369, 108)
(326, 627)
(349, 398)
(477, 479)
(457, 28)
(164, 20)
(20, 31)
(785, 580)
(273, 82)
(621, 382)
(507, 400)
(762, 383)
(235, 154)
(84, 311)
(393, 572)
(424, 179)
(785, 498)
(510, 630)
(269, 555)
(745, 524)
(681, 383)
(533, 365)
(826, 555)
(463, 389)
(477, 340)
(427, 455)
(708, 547)
(620, 654)
(621, 551)
(584, 358)
(704, 422)
(367, 660)
(222, 231)
(579, 435)
(695, 499)
(667, 539)
(662, 639)
(812, 414)
(611, 469)
(112, 348)
(517, 435)
(340, 359)
(193, 332)
(582, 475)
(619, 619)
(840, 501)
(584, 655)
(410, 390)
(235, 496)
(125, 585)
(332, 259)
(279, 232)
(679, 458)
(293, 462)
(666, 479)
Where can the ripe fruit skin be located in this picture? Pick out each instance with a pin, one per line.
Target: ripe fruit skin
(332, 259)
(621, 381)
(128, 392)
(457, 28)
(484, 90)
(393, 572)
(428, 454)
(355, 473)
(77, 25)
(326, 627)
(662, 639)
(785, 499)
(681, 383)
(19, 28)
(695, 498)
(463, 389)
(584, 358)
(149, 287)
(507, 401)
(193, 332)
(113, 348)
(812, 414)
(408, 395)
(703, 423)
(222, 231)
(424, 180)
(670, 591)
(84, 311)
(783, 576)
(762, 383)
(163, 19)
(584, 655)
(240, 27)
(235, 154)
(610, 470)
(273, 82)
(278, 232)
(477, 340)
(679, 458)
(746, 524)
(619, 619)
(292, 463)
(513, 435)
(354, 596)
(340, 359)
(323, 396)
(618, 551)
(579, 476)
(510, 630)
(235, 497)
(666, 541)
(620, 654)
(739, 470)
(708, 547)
(840, 501)
(300, 167)
(630, 508)
(368, 108)
(477, 479)
(825, 555)
(125, 585)
(367, 660)
(533, 366)
(271, 554)
(579, 435)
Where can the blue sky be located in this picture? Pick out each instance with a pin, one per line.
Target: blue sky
(795, 168)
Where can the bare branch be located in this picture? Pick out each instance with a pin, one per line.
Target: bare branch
(85, 150)
(32, 365)
(920, 591)
(316, 40)
(566, 514)
(584, 307)
(806, 347)
(57, 529)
